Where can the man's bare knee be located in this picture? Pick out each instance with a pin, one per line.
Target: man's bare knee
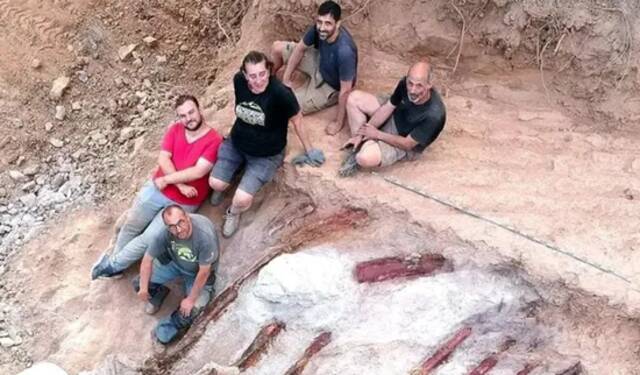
(368, 157)
(242, 200)
(355, 99)
(217, 185)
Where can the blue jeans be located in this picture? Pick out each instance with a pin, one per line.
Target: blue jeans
(168, 327)
(143, 223)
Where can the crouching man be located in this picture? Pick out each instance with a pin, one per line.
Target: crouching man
(188, 250)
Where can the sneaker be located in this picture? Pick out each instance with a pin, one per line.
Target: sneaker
(102, 269)
(349, 166)
(216, 198)
(231, 223)
(155, 302)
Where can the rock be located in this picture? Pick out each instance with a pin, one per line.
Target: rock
(28, 186)
(147, 84)
(61, 112)
(7, 342)
(29, 200)
(118, 82)
(82, 76)
(59, 179)
(55, 142)
(36, 64)
(161, 60)
(76, 106)
(126, 133)
(17, 176)
(125, 51)
(184, 47)
(47, 197)
(150, 41)
(137, 63)
(44, 368)
(3, 192)
(48, 126)
(59, 85)
(30, 171)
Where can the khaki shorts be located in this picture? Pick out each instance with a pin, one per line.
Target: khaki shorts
(391, 154)
(315, 94)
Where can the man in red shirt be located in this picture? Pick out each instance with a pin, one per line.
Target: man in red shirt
(189, 151)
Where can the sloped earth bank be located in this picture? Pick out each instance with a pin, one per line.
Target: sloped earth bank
(529, 195)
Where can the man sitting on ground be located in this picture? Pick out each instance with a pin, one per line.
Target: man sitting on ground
(385, 131)
(187, 248)
(189, 151)
(331, 64)
(264, 107)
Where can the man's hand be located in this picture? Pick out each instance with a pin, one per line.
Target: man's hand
(186, 306)
(333, 128)
(368, 132)
(160, 183)
(143, 295)
(353, 142)
(287, 82)
(187, 190)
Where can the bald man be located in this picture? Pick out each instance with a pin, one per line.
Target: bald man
(385, 130)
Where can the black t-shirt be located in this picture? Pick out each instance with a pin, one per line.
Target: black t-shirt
(262, 120)
(423, 122)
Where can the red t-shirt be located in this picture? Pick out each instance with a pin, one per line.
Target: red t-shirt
(185, 155)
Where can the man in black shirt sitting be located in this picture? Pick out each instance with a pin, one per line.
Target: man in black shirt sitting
(263, 107)
(386, 130)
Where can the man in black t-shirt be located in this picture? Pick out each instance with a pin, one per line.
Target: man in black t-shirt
(385, 131)
(263, 107)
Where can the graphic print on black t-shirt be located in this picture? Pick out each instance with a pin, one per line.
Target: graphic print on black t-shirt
(262, 120)
(251, 113)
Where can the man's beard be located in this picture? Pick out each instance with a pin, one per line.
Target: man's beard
(198, 125)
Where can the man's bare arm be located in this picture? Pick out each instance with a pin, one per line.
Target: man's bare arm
(294, 61)
(300, 132)
(202, 168)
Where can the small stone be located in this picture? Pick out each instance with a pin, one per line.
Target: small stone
(48, 126)
(55, 142)
(3, 192)
(82, 76)
(61, 112)
(7, 342)
(126, 133)
(60, 178)
(17, 176)
(59, 85)
(76, 106)
(118, 82)
(161, 59)
(30, 170)
(137, 63)
(36, 64)
(29, 200)
(28, 186)
(125, 51)
(150, 41)
(147, 84)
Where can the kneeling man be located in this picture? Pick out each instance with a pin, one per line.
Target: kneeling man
(188, 250)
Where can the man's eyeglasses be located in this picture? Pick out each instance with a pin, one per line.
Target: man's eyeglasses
(173, 228)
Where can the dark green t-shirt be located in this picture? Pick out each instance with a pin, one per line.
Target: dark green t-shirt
(201, 249)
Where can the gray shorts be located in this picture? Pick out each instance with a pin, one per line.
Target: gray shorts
(257, 172)
(391, 154)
